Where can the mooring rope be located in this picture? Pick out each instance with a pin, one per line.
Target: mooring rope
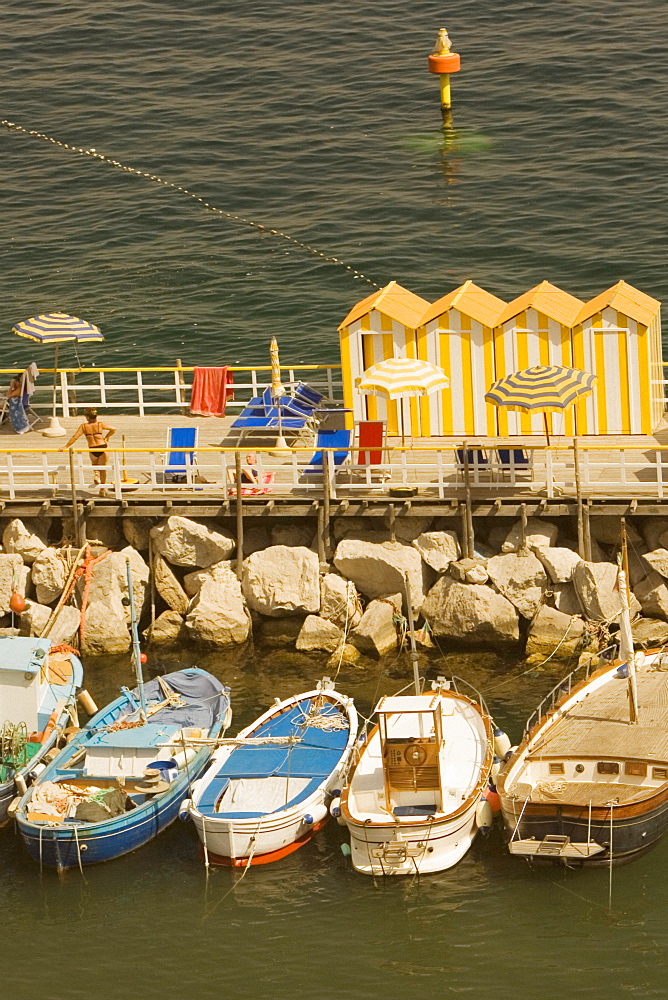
(94, 154)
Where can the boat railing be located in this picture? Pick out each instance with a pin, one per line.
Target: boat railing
(456, 681)
(564, 687)
(161, 389)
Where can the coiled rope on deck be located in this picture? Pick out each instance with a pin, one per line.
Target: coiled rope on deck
(145, 175)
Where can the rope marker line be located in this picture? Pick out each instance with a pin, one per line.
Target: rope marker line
(81, 151)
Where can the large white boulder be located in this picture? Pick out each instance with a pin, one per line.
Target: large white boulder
(282, 580)
(596, 586)
(109, 581)
(168, 586)
(168, 628)
(652, 593)
(218, 614)
(559, 563)
(650, 632)
(438, 548)
(564, 598)
(539, 535)
(520, 577)
(184, 542)
(317, 633)
(13, 578)
(105, 629)
(376, 633)
(49, 572)
(408, 528)
(64, 627)
(193, 582)
(657, 560)
(136, 531)
(471, 613)
(339, 602)
(25, 539)
(555, 635)
(379, 569)
(293, 534)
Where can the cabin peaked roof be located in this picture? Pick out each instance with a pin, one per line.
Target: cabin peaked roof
(548, 299)
(393, 300)
(625, 299)
(471, 300)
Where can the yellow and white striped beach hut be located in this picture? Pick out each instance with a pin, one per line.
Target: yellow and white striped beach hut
(457, 334)
(535, 329)
(383, 325)
(617, 336)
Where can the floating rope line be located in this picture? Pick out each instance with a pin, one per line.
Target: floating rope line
(94, 154)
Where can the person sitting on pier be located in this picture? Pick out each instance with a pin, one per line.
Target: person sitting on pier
(93, 430)
(249, 474)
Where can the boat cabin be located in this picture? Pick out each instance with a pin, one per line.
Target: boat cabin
(411, 738)
(127, 752)
(31, 682)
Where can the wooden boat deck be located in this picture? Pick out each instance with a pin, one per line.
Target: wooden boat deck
(600, 726)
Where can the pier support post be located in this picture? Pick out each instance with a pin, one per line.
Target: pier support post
(469, 537)
(523, 527)
(321, 540)
(240, 514)
(180, 387)
(75, 505)
(391, 515)
(326, 460)
(586, 533)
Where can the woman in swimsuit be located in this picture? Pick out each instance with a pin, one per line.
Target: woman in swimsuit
(93, 430)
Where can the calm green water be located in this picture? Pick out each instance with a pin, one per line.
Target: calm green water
(321, 120)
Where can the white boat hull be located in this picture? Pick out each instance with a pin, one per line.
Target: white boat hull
(415, 849)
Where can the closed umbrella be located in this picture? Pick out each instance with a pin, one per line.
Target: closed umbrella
(544, 388)
(57, 328)
(398, 378)
(277, 388)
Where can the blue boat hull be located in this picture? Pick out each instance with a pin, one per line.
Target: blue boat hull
(69, 845)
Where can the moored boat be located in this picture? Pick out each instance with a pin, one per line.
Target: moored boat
(416, 794)
(120, 781)
(267, 791)
(588, 784)
(38, 691)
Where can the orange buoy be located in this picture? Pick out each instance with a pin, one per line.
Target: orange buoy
(443, 62)
(494, 799)
(17, 603)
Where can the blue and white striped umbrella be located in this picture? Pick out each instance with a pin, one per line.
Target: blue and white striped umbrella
(57, 328)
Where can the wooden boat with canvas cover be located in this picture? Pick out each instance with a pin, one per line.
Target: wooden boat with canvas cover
(589, 782)
(267, 791)
(415, 797)
(38, 691)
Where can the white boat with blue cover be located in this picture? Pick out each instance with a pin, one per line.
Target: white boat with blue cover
(38, 690)
(122, 778)
(267, 792)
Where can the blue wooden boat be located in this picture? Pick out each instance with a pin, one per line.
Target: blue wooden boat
(121, 779)
(268, 790)
(38, 691)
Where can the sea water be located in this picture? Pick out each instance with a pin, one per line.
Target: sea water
(321, 121)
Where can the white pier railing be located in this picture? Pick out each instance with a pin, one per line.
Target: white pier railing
(438, 472)
(161, 390)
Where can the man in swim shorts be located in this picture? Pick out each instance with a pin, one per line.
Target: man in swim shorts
(94, 432)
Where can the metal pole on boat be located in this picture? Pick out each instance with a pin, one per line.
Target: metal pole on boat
(413, 654)
(136, 650)
(626, 651)
(240, 514)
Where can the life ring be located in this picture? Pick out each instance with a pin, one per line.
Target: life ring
(415, 755)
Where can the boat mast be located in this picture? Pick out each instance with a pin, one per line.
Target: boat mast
(136, 651)
(626, 651)
(413, 654)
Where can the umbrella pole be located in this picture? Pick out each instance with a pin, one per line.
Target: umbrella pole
(55, 429)
(547, 429)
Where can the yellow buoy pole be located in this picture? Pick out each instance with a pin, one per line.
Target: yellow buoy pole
(443, 62)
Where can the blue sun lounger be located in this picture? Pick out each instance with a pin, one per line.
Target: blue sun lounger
(177, 463)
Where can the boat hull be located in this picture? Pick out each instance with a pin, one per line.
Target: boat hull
(634, 829)
(262, 857)
(397, 849)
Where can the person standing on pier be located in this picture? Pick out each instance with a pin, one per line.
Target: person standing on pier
(97, 435)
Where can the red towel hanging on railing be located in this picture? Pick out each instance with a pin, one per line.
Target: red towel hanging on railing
(211, 389)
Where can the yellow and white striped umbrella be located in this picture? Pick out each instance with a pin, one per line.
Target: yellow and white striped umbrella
(398, 377)
(277, 387)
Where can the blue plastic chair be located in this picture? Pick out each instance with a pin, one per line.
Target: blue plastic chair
(339, 439)
(177, 463)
